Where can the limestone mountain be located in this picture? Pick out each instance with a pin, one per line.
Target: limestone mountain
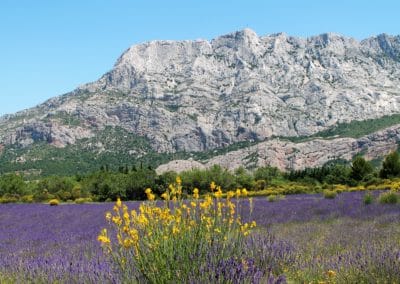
(195, 96)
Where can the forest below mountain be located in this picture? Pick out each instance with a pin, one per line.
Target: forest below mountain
(129, 182)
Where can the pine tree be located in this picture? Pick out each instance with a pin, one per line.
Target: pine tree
(360, 168)
(390, 166)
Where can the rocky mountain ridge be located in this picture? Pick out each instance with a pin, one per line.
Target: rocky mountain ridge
(191, 96)
(287, 155)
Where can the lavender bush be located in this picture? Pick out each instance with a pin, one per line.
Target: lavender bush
(39, 243)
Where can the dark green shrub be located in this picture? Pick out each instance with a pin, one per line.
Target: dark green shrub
(389, 197)
(41, 196)
(361, 169)
(76, 192)
(63, 195)
(260, 184)
(390, 166)
(202, 179)
(243, 179)
(368, 198)
(12, 184)
(373, 181)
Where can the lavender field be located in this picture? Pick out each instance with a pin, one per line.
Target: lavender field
(301, 238)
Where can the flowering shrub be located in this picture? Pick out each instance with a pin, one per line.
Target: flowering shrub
(329, 194)
(8, 198)
(181, 240)
(27, 199)
(82, 200)
(54, 202)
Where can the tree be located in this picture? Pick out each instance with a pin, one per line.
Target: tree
(243, 178)
(163, 180)
(360, 168)
(266, 173)
(12, 184)
(138, 181)
(338, 174)
(390, 166)
(201, 179)
(106, 185)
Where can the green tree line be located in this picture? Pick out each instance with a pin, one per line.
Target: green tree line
(129, 183)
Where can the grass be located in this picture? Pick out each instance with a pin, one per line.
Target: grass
(5, 279)
(341, 236)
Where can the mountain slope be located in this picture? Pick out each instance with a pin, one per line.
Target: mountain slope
(193, 96)
(288, 155)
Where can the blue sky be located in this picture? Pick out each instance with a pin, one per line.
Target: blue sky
(48, 48)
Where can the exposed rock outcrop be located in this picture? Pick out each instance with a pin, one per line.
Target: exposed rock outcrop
(287, 155)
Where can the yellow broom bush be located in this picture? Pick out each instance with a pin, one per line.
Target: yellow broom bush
(175, 236)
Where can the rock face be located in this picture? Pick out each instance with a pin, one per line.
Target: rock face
(287, 155)
(179, 166)
(200, 95)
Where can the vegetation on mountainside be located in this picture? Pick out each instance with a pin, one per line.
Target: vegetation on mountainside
(353, 129)
(117, 147)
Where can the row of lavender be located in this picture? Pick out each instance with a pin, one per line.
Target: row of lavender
(312, 236)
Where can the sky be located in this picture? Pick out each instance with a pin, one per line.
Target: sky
(48, 47)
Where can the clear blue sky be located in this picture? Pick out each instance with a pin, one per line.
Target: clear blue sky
(48, 48)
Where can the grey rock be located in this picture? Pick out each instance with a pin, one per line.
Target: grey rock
(297, 156)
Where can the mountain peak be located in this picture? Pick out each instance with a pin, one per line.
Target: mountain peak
(246, 37)
(247, 32)
(384, 43)
(199, 95)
